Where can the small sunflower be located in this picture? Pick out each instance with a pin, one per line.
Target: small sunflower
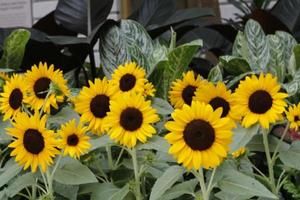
(93, 104)
(73, 140)
(12, 96)
(199, 137)
(129, 78)
(130, 119)
(39, 80)
(293, 115)
(241, 151)
(149, 89)
(183, 91)
(217, 96)
(258, 99)
(33, 144)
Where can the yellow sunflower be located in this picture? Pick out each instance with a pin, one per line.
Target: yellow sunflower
(12, 96)
(258, 99)
(217, 96)
(74, 140)
(4, 76)
(129, 78)
(183, 91)
(149, 89)
(93, 104)
(39, 80)
(199, 136)
(130, 119)
(241, 151)
(33, 144)
(293, 115)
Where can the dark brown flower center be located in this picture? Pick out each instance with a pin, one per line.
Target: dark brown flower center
(33, 141)
(15, 99)
(127, 82)
(99, 105)
(72, 140)
(220, 102)
(188, 93)
(296, 118)
(199, 135)
(260, 102)
(131, 119)
(41, 86)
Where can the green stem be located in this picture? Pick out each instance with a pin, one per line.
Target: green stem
(119, 158)
(280, 142)
(210, 186)
(44, 103)
(109, 156)
(136, 175)
(45, 180)
(200, 176)
(269, 160)
(50, 182)
(33, 195)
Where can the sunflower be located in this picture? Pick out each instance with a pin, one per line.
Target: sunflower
(183, 91)
(199, 136)
(12, 97)
(217, 96)
(258, 99)
(130, 119)
(293, 115)
(39, 80)
(241, 151)
(129, 78)
(149, 89)
(4, 76)
(33, 144)
(73, 140)
(93, 104)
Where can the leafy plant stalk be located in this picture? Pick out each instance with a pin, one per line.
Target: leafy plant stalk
(136, 174)
(109, 157)
(204, 190)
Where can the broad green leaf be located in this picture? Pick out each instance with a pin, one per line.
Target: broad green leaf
(128, 42)
(258, 46)
(234, 65)
(296, 52)
(155, 143)
(64, 115)
(102, 141)
(67, 191)
(237, 183)
(171, 69)
(215, 74)
(162, 106)
(256, 144)
(72, 172)
(240, 47)
(233, 83)
(109, 191)
(14, 49)
(291, 157)
(20, 183)
(222, 195)
(277, 65)
(293, 86)
(9, 173)
(4, 138)
(186, 187)
(241, 136)
(162, 184)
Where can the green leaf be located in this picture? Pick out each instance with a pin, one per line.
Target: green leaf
(215, 74)
(259, 53)
(72, 172)
(241, 136)
(237, 183)
(14, 49)
(277, 65)
(109, 191)
(20, 183)
(67, 191)
(127, 42)
(171, 69)
(228, 196)
(155, 143)
(236, 79)
(102, 141)
(9, 173)
(293, 86)
(162, 107)
(234, 65)
(240, 47)
(66, 114)
(296, 52)
(180, 189)
(256, 144)
(162, 184)
(291, 157)
(4, 138)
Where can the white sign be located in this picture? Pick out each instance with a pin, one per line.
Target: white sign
(15, 13)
